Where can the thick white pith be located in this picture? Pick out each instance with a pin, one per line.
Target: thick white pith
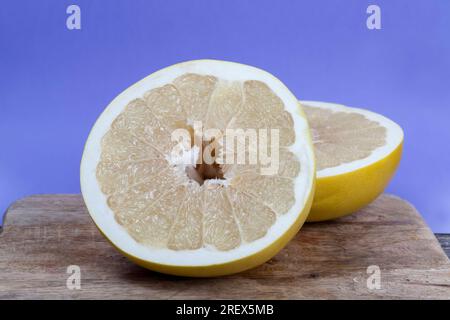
(394, 137)
(96, 200)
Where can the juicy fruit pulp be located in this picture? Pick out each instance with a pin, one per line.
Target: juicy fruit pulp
(158, 203)
(342, 137)
(198, 218)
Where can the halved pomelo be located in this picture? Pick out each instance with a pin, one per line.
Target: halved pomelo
(357, 153)
(163, 207)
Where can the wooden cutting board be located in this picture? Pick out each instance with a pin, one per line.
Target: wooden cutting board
(45, 234)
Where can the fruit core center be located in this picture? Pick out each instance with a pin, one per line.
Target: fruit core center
(206, 168)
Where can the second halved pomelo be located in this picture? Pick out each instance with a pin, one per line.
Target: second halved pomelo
(189, 218)
(357, 153)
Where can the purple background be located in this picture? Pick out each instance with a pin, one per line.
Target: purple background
(55, 82)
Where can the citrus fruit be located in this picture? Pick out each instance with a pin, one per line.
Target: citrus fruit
(357, 153)
(163, 205)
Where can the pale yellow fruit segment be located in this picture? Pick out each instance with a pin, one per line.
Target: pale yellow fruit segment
(220, 227)
(253, 217)
(225, 105)
(187, 230)
(262, 109)
(195, 91)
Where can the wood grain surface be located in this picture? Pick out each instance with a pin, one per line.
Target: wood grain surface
(44, 234)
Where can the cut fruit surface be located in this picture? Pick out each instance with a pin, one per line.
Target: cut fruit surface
(357, 153)
(174, 207)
